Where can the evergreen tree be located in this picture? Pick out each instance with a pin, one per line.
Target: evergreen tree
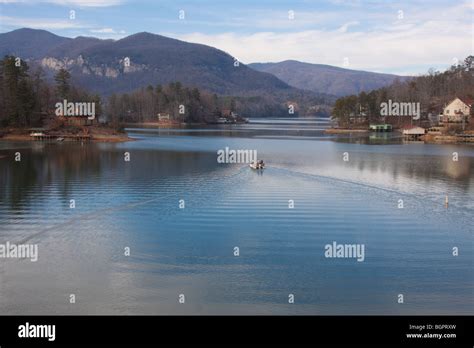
(18, 100)
(63, 87)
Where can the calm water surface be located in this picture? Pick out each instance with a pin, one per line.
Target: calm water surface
(190, 251)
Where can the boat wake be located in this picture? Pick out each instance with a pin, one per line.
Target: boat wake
(425, 205)
(202, 186)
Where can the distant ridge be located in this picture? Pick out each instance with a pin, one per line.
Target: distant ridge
(322, 78)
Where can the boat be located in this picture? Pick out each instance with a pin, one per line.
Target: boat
(60, 139)
(257, 164)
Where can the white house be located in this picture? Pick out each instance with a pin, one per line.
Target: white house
(457, 110)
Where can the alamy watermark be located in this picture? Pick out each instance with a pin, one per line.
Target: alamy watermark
(335, 250)
(392, 108)
(28, 330)
(236, 156)
(19, 251)
(84, 109)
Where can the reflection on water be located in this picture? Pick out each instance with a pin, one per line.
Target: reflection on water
(189, 250)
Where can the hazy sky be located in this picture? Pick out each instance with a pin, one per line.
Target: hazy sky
(404, 37)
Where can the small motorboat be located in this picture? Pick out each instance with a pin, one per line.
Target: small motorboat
(257, 164)
(60, 139)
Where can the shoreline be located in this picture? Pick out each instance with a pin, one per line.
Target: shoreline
(175, 124)
(446, 139)
(108, 135)
(100, 139)
(154, 125)
(427, 138)
(97, 135)
(345, 130)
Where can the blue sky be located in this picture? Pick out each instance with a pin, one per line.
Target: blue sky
(404, 37)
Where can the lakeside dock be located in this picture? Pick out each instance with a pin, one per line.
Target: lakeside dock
(95, 134)
(69, 137)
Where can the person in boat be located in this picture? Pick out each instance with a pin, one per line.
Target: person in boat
(257, 164)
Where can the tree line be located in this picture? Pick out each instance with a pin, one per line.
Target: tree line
(193, 105)
(432, 90)
(27, 99)
(183, 104)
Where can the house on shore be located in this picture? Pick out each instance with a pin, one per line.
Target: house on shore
(458, 110)
(228, 116)
(163, 117)
(227, 113)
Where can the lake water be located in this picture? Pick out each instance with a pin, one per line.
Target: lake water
(190, 250)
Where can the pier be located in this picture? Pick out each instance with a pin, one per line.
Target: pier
(69, 137)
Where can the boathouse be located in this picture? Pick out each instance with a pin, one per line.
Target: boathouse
(413, 132)
(381, 127)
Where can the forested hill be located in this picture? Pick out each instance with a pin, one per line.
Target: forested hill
(432, 90)
(328, 79)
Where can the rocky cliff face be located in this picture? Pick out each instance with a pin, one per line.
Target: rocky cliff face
(82, 65)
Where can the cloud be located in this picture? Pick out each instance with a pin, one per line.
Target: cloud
(378, 40)
(393, 50)
(346, 26)
(107, 31)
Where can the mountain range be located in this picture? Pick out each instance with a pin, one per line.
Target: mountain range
(118, 66)
(328, 79)
(102, 65)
